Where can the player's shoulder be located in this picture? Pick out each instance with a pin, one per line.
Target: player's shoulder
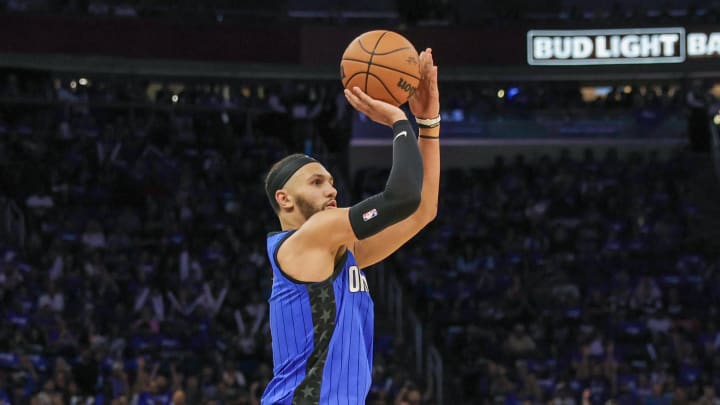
(327, 215)
(276, 239)
(277, 236)
(321, 224)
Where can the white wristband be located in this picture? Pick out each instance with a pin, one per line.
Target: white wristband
(428, 123)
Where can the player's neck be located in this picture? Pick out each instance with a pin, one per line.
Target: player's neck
(291, 221)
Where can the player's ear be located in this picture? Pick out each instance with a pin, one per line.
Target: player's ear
(283, 199)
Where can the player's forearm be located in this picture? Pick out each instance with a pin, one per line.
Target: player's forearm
(430, 151)
(403, 190)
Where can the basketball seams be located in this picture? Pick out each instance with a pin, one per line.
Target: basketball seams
(363, 46)
(379, 79)
(354, 60)
(371, 58)
(354, 74)
(383, 84)
(395, 50)
(396, 70)
(384, 67)
(392, 51)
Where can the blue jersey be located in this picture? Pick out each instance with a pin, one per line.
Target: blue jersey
(322, 335)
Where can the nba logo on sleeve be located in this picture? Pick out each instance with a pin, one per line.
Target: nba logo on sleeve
(369, 215)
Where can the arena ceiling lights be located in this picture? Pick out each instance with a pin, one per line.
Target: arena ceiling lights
(619, 46)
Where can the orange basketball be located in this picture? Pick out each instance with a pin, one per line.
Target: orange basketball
(384, 64)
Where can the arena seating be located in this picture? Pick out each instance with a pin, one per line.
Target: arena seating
(136, 268)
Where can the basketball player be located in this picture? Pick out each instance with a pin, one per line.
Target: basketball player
(321, 313)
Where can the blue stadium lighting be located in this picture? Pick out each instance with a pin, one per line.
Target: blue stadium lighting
(603, 90)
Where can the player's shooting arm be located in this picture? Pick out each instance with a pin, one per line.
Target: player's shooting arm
(328, 230)
(399, 200)
(425, 104)
(379, 246)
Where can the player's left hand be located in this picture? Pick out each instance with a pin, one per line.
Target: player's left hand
(425, 103)
(377, 110)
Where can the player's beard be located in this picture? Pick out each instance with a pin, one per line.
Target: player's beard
(306, 208)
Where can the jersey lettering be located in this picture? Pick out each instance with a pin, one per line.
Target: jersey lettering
(357, 281)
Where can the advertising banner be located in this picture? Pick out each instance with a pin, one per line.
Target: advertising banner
(619, 46)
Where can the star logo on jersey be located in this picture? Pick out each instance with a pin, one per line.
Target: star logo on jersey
(308, 391)
(325, 316)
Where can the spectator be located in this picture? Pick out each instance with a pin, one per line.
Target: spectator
(151, 251)
(519, 343)
(52, 299)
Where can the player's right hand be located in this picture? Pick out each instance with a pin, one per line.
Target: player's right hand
(378, 111)
(425, 102)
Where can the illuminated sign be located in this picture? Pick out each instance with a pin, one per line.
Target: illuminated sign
(701, 44)
(619, 46)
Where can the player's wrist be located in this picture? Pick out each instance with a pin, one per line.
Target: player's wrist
(401, 125)
(429, 133)
(428, 122)
(398, 118)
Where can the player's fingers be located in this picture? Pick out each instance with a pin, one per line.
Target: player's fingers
(353, 100)
(432, 81)
(361, 104)
(357, 92)
(362, 96)
(422, 60)
(428, 63)
(359, 95)
(429, 77)
(428, 53)
(430, 57)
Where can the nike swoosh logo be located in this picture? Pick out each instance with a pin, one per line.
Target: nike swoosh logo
(402, 133)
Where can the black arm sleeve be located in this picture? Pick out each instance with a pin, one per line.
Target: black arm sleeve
(401, 196)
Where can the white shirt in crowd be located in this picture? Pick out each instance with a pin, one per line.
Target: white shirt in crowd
(56, 301)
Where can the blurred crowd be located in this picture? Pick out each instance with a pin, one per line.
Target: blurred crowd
(133, 266)
(318, 106)
(132, 258)
(400, 12)
(140, 275)
(568, 281)
(647, 103)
